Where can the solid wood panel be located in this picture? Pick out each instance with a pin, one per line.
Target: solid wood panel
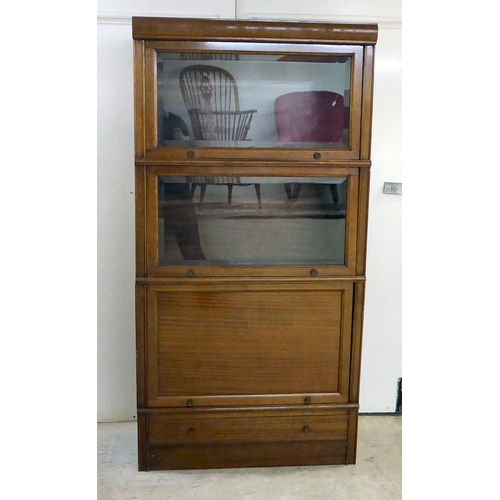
(140, 221)
(142, 441)
(158, 28)
(261, 154)
(150, 100)
(263, 342)
(141, 361)
(203, 341)
(248, 454)
(356, 341)
(244, 167)
(362, 234)
(139, 106)
(352, 436)
(367, 103)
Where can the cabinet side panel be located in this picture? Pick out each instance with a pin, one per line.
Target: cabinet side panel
(367, 103)
(139, 108)
(142, 441)
(141, 363)
(357, 333)
(140, 220)
(362, 226)
(352, 436)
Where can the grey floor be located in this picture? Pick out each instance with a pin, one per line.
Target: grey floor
(376, 475)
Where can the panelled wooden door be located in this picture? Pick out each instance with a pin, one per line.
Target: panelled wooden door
(226, 343)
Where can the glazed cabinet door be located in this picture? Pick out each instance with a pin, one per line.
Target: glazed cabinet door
(264, 101)
(232, 343)
(225, 223)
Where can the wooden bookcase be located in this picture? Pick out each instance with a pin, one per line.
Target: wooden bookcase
(252, 158)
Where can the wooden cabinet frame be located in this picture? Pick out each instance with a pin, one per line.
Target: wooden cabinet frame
(297, 333)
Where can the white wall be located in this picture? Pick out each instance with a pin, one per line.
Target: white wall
(381, 364)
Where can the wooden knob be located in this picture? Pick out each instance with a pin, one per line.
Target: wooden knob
(191, 273)
(306, 429)
(191, 431)
(190, 402)
(307, 400)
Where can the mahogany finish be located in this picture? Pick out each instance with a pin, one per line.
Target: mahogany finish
(249, 365)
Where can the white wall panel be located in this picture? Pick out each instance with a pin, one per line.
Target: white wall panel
(381, 364)
(116, 10)
(385, 12)
(115, 225)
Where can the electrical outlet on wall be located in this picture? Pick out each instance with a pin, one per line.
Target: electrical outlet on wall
(393, 188)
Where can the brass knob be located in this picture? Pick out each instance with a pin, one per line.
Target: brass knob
(190, 402)
(314, 272)
(190, 154)
(317, 156)
(306, 429)
(307, 400)
(191, 432)
(191, 273)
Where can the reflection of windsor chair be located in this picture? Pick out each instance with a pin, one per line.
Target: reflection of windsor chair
(312, 116)
(212, 100)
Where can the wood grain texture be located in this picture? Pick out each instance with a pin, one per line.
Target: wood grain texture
(141, 360)
(268, 437)
(356, 341)
(158, 28)
(285, 340)
(224, 427)
(362, 223)
(142, 441)
(140, 221)
(247, 454)
(352, 436)
(367, 103)
(243, 366)
(139, 105)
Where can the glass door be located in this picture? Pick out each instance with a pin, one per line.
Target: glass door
(259, 101)
(249, 223)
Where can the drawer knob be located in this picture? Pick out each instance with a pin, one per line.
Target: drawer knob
(190, 154)
(190, 402)
(307, 400)
(191, 432)
(306, 429)
(317, 156)
(314, 272)
(190, 273)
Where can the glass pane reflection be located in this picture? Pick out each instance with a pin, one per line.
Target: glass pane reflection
(242, 100)
(251, 221)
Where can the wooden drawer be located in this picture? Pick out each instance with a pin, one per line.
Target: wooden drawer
(245, 426)
(187, 439)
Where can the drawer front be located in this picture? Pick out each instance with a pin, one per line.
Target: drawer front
(199, 439)
(247, 426)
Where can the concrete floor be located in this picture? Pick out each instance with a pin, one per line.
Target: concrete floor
(376, 475)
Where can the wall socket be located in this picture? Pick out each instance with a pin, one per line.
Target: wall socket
(393, 188)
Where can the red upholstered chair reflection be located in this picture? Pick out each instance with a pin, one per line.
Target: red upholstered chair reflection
(312, 116)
